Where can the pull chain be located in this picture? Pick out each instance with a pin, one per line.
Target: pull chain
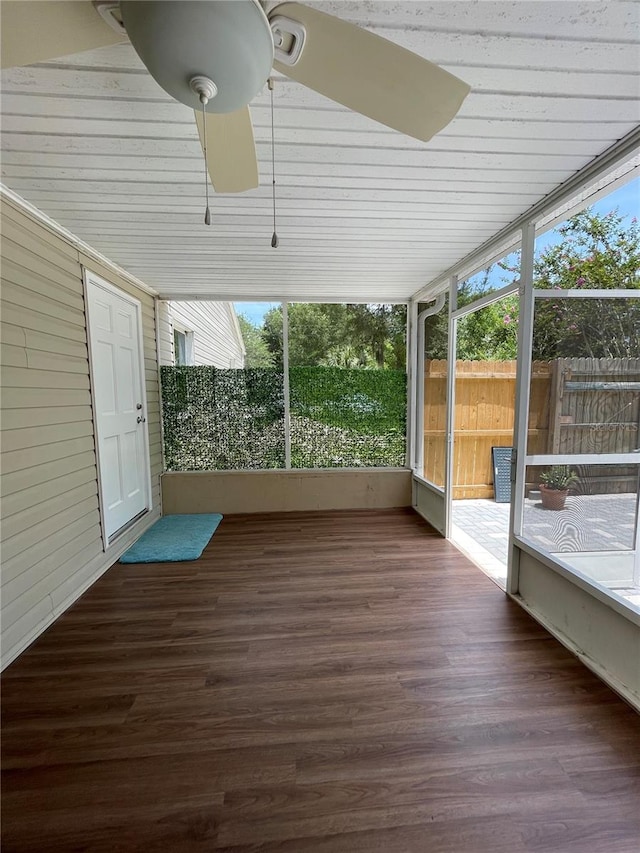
(207, 213)
(274, 240)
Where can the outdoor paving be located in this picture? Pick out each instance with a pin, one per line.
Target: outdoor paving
(589, 523)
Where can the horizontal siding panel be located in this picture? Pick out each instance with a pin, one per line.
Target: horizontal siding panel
(21, 418)
(13, 525)
(215, 339)
(85, 524)
(61, 595)
(15, 356)
(39, 360)
(32, 283)
(38, 475)
(44, 304)
(15, 336)
(26, 499)
(14, 217)
(44, 530)
(53, 344)
(32, 456)
(47, 527)
(53, 569)
(38, 321)
(60, 255)
(12, 356)
(16, 377)
(45, 585)
(37, 268)
(29, 619)
(36, 398)
(38, 436)
(42, 342)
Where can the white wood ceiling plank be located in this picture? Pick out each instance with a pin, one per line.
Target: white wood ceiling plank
(141, 193)
(526, 50)
(93, 141)
(425, 243)
(569, 19)
(91, 129)
(295, 174)
(134, 154)
(339, 120)
(293, 207)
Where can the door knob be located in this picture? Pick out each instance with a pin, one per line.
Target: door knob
(140, 419)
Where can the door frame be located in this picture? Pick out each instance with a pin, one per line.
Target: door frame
(91, 278)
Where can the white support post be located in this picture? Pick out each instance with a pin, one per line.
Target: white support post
(437, 306)
(287, 398)
(451, 402)
(523, 386)
(156, 312)
(412, 379)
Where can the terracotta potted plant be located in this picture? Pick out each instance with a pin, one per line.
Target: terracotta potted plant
(555, 484)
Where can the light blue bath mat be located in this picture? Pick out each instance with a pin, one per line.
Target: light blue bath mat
(174, 539)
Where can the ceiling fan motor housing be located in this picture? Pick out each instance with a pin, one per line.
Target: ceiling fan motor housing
(230, 43)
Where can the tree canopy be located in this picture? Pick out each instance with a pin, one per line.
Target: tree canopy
(595, 251)
(337, 335)
(592, 251)
(257, 353)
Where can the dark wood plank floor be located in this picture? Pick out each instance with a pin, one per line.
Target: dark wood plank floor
(320, 682)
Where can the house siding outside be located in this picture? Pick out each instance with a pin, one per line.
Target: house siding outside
(51, 538)
(217, 339)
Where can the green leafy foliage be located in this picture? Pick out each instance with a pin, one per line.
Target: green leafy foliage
(559, 477)
(222, 419)
(257, 352)
(232, 419)
(371, 336)
(595, 251)
(347, 418)
(490, 334)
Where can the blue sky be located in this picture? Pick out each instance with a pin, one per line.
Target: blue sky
(626, 199)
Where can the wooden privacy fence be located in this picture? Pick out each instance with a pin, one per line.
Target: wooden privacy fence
(577, 405)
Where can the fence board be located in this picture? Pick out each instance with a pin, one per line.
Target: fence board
(561, 419)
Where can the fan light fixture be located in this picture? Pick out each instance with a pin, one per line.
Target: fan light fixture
(205, 89)
(230, 43)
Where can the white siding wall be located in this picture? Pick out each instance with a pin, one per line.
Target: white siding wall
(216, 336)
(51, 540)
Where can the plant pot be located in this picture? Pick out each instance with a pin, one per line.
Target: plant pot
(553, 498)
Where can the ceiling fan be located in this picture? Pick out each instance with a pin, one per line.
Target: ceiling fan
(216, 55)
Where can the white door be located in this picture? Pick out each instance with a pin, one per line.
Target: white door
(119, 403)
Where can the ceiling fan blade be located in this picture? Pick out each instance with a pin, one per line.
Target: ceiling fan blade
(36, 31)
(231, 151)
(371, 75)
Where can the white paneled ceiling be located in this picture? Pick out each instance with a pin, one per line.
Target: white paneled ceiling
(363, 212)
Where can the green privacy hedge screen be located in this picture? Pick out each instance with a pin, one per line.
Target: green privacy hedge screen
(216, 419)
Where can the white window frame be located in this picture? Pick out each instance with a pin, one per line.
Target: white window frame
(189, 343)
